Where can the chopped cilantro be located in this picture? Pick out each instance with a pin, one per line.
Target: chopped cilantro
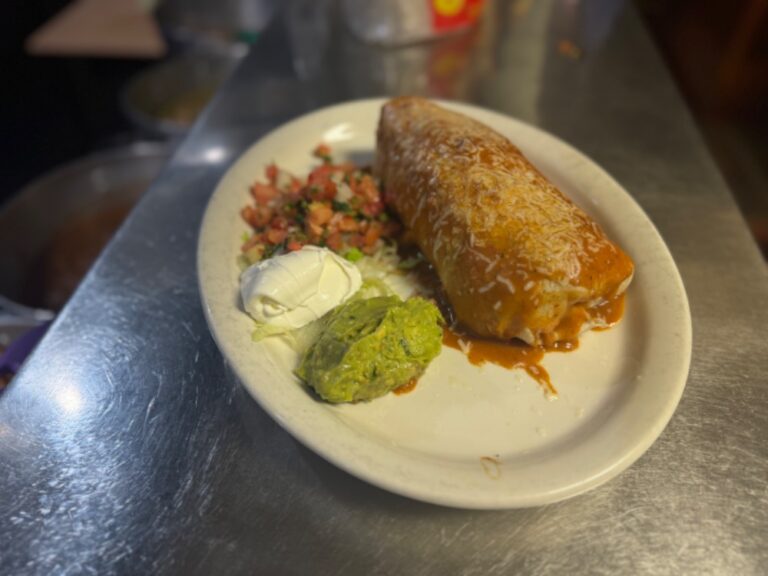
(274, 249)
(341, 206)
(353, 254)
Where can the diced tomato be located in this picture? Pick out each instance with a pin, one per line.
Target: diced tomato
(271, 172)
(248, 214)
(258, 216)
(279, 222)
(325, 191)
(264, 193)
(294, 245)
(322, 150)
(372, 209)
(348, 224)
(371, 237)
(263, 216)
(319, 175)
(275, 235)
(320, 185)
(334, 241)
(319, 213)
(367, 189)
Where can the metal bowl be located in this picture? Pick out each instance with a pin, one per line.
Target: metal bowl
(62, 220)
(165, 99)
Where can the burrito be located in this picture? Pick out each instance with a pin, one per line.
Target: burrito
(515, 257)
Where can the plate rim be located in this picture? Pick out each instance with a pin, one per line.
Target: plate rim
(491, 500)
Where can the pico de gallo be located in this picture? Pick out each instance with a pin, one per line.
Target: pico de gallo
(338, 206)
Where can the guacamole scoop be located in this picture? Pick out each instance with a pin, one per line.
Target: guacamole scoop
(372, 346)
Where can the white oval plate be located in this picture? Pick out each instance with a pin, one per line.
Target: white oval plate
(467, 436)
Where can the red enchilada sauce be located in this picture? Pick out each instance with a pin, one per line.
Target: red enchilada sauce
(508, 354)
(407, 387)
(512, 354)
(518, 354)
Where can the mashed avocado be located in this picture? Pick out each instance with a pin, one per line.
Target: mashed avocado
(371, 346)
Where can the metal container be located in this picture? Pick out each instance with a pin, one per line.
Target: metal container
(165, 99)
(59, 223)
(224, 26)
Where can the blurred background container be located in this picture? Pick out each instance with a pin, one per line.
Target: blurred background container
(55, 227)
(398, 22)
(53, 230)
(165, 99)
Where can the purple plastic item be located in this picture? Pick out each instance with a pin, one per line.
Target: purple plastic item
(14, 356)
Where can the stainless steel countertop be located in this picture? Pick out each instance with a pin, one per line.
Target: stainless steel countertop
(127, 446)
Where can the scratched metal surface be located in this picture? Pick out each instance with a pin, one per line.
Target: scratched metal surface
(127, 447)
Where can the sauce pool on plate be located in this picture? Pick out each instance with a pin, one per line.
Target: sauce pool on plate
(517, 354)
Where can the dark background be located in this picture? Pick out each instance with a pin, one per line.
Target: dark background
(57, 109)
(718, 53)
(54, 109)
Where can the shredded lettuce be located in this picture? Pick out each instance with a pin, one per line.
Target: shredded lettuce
(353, 254)
(371, 288)
(300, 339)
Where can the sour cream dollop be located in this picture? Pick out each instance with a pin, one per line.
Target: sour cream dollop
(294, 289)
